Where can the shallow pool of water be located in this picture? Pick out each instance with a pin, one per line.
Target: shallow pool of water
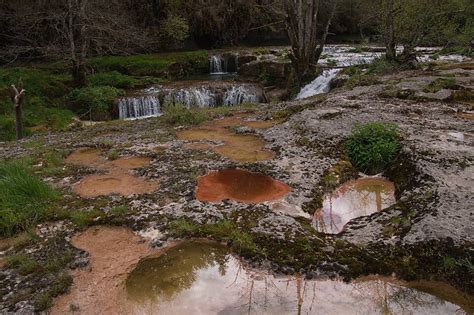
(356, 198)
(239, 185)
(204, 278)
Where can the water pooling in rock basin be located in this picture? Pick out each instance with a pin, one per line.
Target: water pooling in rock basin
(239, 185)
(117, 180)
(237, 147)
(204, 278)
(354, 199)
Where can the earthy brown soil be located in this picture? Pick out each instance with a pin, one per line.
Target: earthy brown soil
(89, 157)
(239, 148)
(116, 181)
(240, 186)
(113, 253)
(467, 116)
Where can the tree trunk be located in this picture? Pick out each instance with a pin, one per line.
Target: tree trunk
(391, 53)
(307, 40)
(79, 74)
(18, 97)
(77, 34)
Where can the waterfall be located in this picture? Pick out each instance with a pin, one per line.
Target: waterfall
(238, 95)
(193, 97)
(320, 85)
(217, 65)
(139, 107)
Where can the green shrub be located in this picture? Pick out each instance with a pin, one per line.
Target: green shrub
(177, 114)
(99, 100)
(85, 218)
(24, 199)
(114, 79)
(113, 155)
(43, 302)
(7, 128)
(383, 66)
(24, 264)
(149, 65)
(441, 83)
(373, 146)
(37, 82)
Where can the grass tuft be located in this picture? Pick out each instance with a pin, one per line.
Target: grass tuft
(24, 199)
(373, 146)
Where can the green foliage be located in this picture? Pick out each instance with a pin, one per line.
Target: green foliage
(113, 154)
(178, 114)
(182, 228)
(43, 101)
(373, 146)
(433, 23)
(175, 29)
(61, 285)
(441, 83)
(37, 82)
(24, 199)
(58, 261)
(99, 100)
(383, 66)
(85, 218)
(114, 79)
(224, 231)
(146, 65)
(43, 302)
(7, 128)
(119, 210)
(24, 264)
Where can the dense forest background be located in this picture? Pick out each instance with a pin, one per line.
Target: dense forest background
(76, 57)
(43, 28)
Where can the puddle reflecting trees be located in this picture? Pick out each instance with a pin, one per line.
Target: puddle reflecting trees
(357, 198)
(204, 278)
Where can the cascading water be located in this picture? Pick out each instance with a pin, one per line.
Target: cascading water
(193, 97)
(320, 85)
(217, 65)
(342, 57)
(139, 107)
(238, 95)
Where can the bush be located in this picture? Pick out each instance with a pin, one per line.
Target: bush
(441, 83)
(99, 100)
(24, 264)
(114, 79)
(383, 66)
(7, 128)
(45, 94)
(373, 146)
(178, 114)
(149, 65)
(24, 199)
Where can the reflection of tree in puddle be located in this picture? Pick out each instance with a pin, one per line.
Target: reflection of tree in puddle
(205, 279)
(174, 271)
(354, 199)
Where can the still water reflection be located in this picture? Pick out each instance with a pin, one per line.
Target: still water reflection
(354, 199)
(202, 278)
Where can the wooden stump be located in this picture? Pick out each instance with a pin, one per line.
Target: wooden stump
(17, 97)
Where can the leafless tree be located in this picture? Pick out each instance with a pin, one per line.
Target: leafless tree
(390, 45)
(308, 24)
(18, 96)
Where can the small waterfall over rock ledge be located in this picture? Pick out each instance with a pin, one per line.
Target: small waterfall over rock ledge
(148, 103)
(223, 64)
(139, 107)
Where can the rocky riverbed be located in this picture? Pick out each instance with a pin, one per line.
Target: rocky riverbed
(427, 234)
